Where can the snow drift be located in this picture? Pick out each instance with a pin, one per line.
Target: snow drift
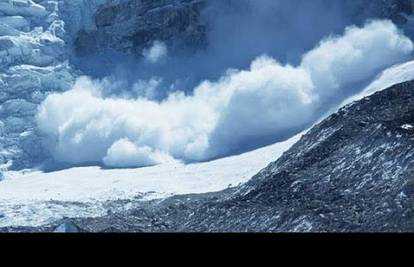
(267, 102)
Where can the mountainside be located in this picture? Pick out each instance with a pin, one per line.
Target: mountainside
(352, 172)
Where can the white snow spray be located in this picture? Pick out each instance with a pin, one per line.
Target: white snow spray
(266, 101)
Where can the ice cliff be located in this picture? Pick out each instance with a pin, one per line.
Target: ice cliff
(33, 62)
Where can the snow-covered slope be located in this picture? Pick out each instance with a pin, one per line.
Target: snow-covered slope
(35, 197)
(389, 77)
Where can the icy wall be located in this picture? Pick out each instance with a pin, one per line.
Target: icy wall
(33, 62)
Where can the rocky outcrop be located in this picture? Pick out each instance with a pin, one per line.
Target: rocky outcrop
(129, 26)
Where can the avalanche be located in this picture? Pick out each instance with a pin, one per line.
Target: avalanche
(34, 197)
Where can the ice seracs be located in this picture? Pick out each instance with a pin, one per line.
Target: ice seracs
(33, 62)
(22, 7)
(15, 22)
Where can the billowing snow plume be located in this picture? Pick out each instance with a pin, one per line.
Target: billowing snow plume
(156, 52)
(268, 100)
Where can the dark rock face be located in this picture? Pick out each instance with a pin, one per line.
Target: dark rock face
(391, 9)
(131, 25)
(353, 172)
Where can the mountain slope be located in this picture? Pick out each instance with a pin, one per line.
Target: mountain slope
(352, 172)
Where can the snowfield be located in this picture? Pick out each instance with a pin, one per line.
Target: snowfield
(31, 198)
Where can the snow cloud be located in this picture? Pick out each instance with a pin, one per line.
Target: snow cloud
(156, 52)
(124, 153)
(264, 103)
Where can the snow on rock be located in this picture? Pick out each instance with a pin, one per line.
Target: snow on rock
(407, 127)
(79, 14)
